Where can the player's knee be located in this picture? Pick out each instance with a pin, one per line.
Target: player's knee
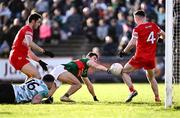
(150, 77)
(124, 70)
(79, 85)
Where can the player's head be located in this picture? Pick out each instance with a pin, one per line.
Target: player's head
(139, 16)
(35, 20)
(92, 56)
(48, 80)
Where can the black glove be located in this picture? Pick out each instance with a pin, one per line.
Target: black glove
(48, 101)
(43, 65)
(160, 40)
(48, 53)
(95, 98)
(122, 53)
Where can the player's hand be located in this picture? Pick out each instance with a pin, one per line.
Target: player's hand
(48, 53)
(95, 98)
(43, 65)
(122, 53)
(160, 40)
(48, 101)
(108, 71)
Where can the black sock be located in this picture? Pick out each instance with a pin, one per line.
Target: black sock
(66, 94)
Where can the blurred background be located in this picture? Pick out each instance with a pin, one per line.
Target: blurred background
(72, 28)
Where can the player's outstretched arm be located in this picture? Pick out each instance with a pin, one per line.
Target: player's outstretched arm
(36, 47)
(130, 45)
(37, 59)
(48, 53)
(97, 66)
(32, 55)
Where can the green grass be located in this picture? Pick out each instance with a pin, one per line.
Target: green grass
(111, 105)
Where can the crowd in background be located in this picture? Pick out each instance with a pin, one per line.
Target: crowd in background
(107, 21)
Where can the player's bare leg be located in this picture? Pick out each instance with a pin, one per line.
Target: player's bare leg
(30, 71)
(69, 78)
(127, 79)
(153, 82)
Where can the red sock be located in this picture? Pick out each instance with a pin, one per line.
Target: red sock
(131, 89)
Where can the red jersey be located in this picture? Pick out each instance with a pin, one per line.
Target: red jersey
(146, 35)
(20, 45)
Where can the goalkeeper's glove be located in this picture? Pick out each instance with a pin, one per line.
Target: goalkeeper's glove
(43, 65)
(48, 53)
(48, 101)
(95, 98)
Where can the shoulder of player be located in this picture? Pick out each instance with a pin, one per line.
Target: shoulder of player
(37, 80)
(142, 26)
(91, 63)
(27, 28)
(85, 60)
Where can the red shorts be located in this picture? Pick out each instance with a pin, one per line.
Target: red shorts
(17, 60)
(142, 63)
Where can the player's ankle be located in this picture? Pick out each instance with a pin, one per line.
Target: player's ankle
(66, 95)
(157, 97)
(131, 89)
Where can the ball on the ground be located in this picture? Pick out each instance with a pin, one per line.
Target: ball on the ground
(116, 69)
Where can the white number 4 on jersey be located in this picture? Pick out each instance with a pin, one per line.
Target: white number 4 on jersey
(151, 38)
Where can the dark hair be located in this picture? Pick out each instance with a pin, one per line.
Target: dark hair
(140, 13)
(48, 78)
(90, 54)
(34, 16)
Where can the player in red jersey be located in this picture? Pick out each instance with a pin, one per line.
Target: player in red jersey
(21, 48)
(144, 37)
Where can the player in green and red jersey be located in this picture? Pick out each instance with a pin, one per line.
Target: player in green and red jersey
(70, 72)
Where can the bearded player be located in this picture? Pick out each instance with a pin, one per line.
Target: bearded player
(21, 49)
(144, 37)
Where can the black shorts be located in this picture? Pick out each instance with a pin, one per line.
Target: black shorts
(7, 93)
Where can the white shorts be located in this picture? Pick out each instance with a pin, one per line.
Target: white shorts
(56, 72)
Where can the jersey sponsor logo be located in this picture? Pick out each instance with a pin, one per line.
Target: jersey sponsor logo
(19, 58)
(148, 26)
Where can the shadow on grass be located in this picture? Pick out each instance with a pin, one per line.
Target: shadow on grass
(146, 103)
(1, 112)
(110, 103)
(90, 103)
(177, 107)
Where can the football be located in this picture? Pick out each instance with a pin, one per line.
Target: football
(116, 69)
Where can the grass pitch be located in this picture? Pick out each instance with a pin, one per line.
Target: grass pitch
(111, 104)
